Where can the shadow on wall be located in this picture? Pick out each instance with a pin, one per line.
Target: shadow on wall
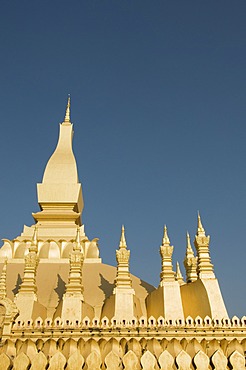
(61, 285)
(17, 285)
(106, 287)
(149, 288)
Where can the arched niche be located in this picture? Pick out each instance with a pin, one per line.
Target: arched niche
(6, 249)
(92, 251)
(50, 250)
(21, 251)
(67, 250)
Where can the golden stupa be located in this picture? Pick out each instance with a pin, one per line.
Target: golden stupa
(62, 308)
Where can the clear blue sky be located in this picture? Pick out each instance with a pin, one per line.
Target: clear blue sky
(158, 94)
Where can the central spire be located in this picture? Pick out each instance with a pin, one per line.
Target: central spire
(61, 167)
(60, 193)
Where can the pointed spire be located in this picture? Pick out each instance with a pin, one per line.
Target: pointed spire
(166, 251)
(190, 261)
(60, 185)
(123, 278)
(122, 238)
(200, 229)
(178, 274)
(3, 288)
(35, 235)
(34, 243)
(67, 115)
(72, 301)
(78, 235)
(204, 267)
(189, 250)
(77, 246)
(123, 307)
(165, 239)
(29, 286)
(74, 286)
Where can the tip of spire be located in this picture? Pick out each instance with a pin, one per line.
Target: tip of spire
(189, 250)
(35, 234)
(67, 114)
(200, 229)
(179, 275)
(122, 238)
(78, 235)
(165, 239)
(178, 271)
(34, 243)
(77, 246)
(188, 238)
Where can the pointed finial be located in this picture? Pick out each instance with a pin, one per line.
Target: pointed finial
(166, 252)
(189, 250)
(123, 279)
(179, 276)
(67, 115)
(35, 235)
(78, 235)
(165, 239)
(188, 238)
(77, 240)
(34, 242)
(200, 229)
(122, 238)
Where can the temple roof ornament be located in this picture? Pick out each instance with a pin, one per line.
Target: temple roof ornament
(166, 300)
(178, 275)
(78, 246)
(122, 238)
(124, 301)
(34, 243)
(165, 239)
(26, 299)
(123, 278)
(200, 228)
(28, 286)
(166, 251)
(73, 298)
(74, 286)
(204, 267)
(190, 261)
(189, 250)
